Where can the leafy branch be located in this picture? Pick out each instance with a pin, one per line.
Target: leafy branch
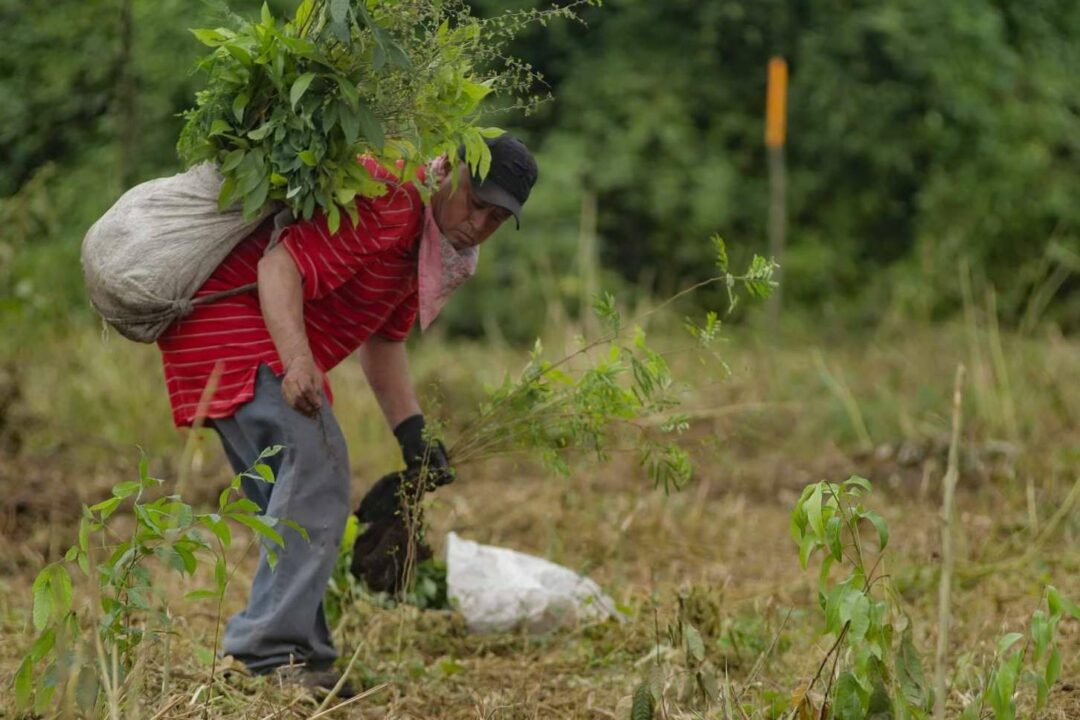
(289, 105)
(577, 403)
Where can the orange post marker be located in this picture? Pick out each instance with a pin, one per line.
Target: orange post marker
(776, 103)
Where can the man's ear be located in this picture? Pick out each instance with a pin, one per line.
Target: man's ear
(440, 167)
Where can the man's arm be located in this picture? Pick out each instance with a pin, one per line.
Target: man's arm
(281, 296)
(387, 369)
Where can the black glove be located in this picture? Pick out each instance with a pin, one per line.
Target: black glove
(422, 456)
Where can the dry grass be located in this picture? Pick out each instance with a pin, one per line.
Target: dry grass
(722, 545)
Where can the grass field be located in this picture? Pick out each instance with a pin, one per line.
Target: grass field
(719, 554)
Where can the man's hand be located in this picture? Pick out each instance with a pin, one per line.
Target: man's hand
(302, 385)
(423, 456)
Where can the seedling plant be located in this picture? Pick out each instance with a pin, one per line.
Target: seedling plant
(92, 647)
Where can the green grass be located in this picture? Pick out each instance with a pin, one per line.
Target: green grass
(782, 419)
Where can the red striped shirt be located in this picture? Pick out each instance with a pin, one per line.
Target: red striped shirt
(358, 282)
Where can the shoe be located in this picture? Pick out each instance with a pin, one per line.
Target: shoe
(317, 680)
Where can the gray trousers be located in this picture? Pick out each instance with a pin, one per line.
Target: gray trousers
(284, 621)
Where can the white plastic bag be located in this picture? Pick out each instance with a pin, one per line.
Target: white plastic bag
(148, 255)
(497, 590)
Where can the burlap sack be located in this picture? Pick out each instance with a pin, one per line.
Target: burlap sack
(148, 255)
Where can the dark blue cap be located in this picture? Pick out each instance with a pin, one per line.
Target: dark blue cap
(512, 174)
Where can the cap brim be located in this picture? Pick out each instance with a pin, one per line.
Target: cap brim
(494, 194)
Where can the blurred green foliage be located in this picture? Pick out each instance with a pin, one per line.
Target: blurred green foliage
(922, 136)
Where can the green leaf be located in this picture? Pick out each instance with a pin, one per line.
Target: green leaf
(265, 472)
(350, 123)
(832, 537)
(170, 557)
(847, 701)
(806, 548)
(260, 528)
(84, 534)
(190, 562)
(303, 13)
(476, 91)
(1007, 641)
(213, 38)
(106, 507)
(126, 489)
(1042, 692)
(42, 645)
(813, 511)
(371, 127)
(300, 87)
(44, 695)
(226, 194)
(855, 608)
(694, 644)
(339, 10)
(243, 505)
(253, 201)
(1053, 668)
(333, 218)
(881, 526)
(308, 158)
(261, 132)
(1053, 600)
(909, 671)
(270, 451)
(62, 589)
(240, 53)
(220, 528)
(720, 249)
(1002, 687)
(972, 711)
(348, 92)
(219, 126)
(202, 594)
(1064, 604)
(221, 574)
(238, 106)
(298, 528)
(23, 684)
(859, 482)
(232, 160)
(43, 598)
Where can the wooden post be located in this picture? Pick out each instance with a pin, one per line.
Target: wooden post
(775, 134)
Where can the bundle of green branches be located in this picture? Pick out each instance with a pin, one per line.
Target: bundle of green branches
(289, 106)
(614, 392)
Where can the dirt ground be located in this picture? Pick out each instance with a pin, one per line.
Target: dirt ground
(720, 550)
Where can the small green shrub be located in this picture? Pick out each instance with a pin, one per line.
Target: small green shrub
(92, 643)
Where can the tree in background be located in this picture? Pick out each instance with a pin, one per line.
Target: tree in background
(921, 134)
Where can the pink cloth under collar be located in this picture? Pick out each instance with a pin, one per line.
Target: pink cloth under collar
(441, 268)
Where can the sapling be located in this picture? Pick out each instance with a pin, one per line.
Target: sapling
(87, 645)
(613, 383)
(610, 388)
(290, 104)
(873, 667)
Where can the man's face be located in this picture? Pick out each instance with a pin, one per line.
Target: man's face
(463, 218)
